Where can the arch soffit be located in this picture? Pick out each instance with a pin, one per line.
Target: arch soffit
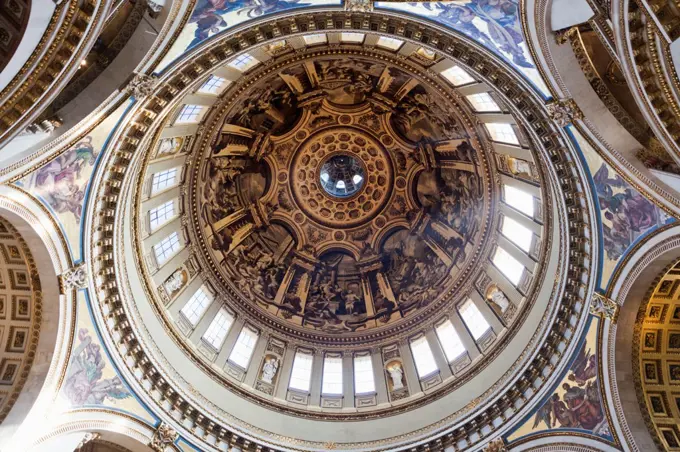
(629, 288)
(52, 258)
(111, 426)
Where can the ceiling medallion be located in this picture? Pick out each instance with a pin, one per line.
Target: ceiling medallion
(339, 196)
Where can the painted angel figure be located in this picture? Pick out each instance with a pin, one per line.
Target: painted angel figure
(584, 367)
(208, 15)
(503, 28)
(84, 384)
(59, 181)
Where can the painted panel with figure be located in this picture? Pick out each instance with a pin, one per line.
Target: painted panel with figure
(494, 24)
(62, 183)
(211, 17)
(91, 379)
(576, 403)
(625, 214)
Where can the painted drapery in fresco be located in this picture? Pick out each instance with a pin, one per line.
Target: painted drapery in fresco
(91, 379)
(493, 23)
(62, 183)
(625, 214)
(575, 404)
(211, 17)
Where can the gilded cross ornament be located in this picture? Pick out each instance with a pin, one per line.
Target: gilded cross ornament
(141, 85)
(564, 112)
(163, 437)
(75, 277)
(604, 307)
(496, 445)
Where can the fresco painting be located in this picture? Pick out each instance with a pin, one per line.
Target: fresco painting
(211, 17)
(494, 24)
(576, 402)
(91, 379)
(626, 215)
(62, 183)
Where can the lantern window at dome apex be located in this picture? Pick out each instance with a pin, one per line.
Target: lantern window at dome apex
(342, 176)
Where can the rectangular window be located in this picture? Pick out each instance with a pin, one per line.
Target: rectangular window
(160, 215)
(352, 37)
(319, 38)
(163, 179)
(520, 235)
(243, 62)
(301, 376)
(508, 265)
(166, 248)
(502, 132)
(243, 350)
(363, 375)
(218, 329)
(389, 43)
(214, 85)
(473, 319)
(189, 114)
(422, 355)
(520, 200)
(196, 306)
(451, 343)
(483, 102)
(457, 76)
(331, 383)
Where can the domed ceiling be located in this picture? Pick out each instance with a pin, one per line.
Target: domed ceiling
(337, 226)
(339, 196)
(337, 202)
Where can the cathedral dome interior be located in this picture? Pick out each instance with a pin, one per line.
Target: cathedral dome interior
(354, 225)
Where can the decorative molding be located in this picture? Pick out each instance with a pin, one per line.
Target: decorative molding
(496, 445)
(163, 437)
(564, 112)
(88, 438)
(74, 278)
(360, 6)
(604, 307)
(141, 85)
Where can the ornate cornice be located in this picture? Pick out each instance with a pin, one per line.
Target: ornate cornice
(30, 92)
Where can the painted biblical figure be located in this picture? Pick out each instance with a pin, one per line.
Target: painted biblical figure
(85, 384)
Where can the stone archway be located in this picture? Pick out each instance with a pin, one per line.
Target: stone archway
(629, 287)
(51, 324)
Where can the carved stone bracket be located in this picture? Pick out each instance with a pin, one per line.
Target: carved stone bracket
(496, 445)
(163, 436)
(141, 85)
(604, 307)
(74, 277)
(564, 112)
